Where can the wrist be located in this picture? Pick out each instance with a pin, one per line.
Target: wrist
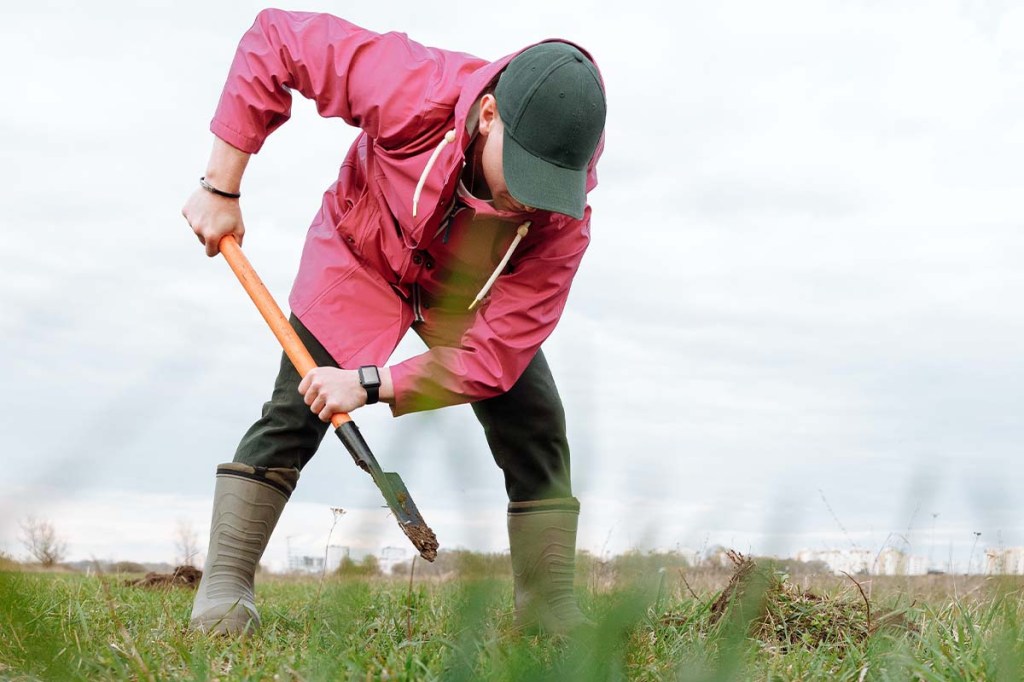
(206, 184)
(226, 166)
(369, 379)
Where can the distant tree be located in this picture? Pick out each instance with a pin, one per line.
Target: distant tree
(795, 567)
(7, 562)
(634, 564)
(42, 542)
(128, 567)
(368, 567)
(186, 543)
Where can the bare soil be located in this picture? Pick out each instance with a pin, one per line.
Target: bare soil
(183, 576)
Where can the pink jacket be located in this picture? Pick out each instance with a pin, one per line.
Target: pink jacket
(365, 251)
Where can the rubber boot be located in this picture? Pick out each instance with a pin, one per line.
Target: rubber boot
(542, 541)
(246, 505)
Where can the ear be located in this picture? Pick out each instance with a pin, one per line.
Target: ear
(488, 114)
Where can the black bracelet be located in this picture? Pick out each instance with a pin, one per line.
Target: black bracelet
(219, 192)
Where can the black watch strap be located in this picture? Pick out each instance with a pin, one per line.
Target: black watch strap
(369, 379)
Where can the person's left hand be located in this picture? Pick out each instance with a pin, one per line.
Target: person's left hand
(329, 390)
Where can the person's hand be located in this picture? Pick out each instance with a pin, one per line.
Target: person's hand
(212, 217)
(329, 390)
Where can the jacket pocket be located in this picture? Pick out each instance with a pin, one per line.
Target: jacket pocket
(355, 226)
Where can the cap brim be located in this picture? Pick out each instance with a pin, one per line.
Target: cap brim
(542, 185)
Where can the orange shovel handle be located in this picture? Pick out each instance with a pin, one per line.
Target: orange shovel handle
(290, 341)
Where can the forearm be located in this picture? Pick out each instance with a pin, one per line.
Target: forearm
(226, 166)
(445, 376)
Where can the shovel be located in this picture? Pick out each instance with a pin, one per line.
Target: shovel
(395, 493)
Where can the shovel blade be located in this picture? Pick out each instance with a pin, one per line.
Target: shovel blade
(409, 518)
(395, 493)
(398, 499)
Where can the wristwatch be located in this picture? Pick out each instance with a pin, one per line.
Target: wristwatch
(369, 379)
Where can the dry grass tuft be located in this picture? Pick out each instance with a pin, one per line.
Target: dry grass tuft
(782, 617)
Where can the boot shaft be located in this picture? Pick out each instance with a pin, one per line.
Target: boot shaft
(542, 542)
(247, 504)
(542, 536)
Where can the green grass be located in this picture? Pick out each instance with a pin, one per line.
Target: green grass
(65, 626)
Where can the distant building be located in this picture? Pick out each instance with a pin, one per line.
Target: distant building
(852, 561)
(718, 557)
(299, 563)
(890, 561)
(390, 556)
(1008, 561)
(335, 555)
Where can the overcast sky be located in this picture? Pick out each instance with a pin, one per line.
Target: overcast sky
(798, 325)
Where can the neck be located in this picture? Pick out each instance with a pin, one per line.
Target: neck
(473, 175)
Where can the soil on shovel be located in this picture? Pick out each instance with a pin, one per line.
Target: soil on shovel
(782, 616)
(183, 576)
(422, 538)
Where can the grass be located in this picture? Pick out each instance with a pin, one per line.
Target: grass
(67, 626)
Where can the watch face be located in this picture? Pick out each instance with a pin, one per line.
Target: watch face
(369, 376)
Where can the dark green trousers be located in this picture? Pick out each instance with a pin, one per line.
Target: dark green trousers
(525, 428)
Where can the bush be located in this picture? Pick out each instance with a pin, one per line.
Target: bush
(366, 568)
(459, 562)
(128, 567)
(634, 564)
(8, 563)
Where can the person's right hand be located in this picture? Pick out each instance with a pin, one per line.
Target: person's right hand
(213, 217)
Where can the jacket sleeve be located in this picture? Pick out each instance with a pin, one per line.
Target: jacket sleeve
(518, 315)
(377, 82)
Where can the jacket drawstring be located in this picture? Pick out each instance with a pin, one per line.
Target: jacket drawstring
(448, 138)
(520, 233)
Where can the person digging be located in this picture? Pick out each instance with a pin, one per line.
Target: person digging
(460, 212)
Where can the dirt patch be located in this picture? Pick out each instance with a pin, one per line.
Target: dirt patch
(183, 576)
(782, 616)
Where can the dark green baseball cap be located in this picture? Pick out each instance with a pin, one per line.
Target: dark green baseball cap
(553, 108)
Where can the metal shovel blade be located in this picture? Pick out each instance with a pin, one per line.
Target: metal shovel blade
(395, 493)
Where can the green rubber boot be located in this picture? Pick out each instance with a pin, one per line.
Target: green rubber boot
(542, 541)
(247, 503)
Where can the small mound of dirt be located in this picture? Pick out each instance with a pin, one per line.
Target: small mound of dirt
(183, 576)
(779, 615)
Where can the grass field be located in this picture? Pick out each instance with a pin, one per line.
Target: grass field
(68, 626)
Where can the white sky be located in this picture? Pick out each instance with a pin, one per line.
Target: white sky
(803, 290)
